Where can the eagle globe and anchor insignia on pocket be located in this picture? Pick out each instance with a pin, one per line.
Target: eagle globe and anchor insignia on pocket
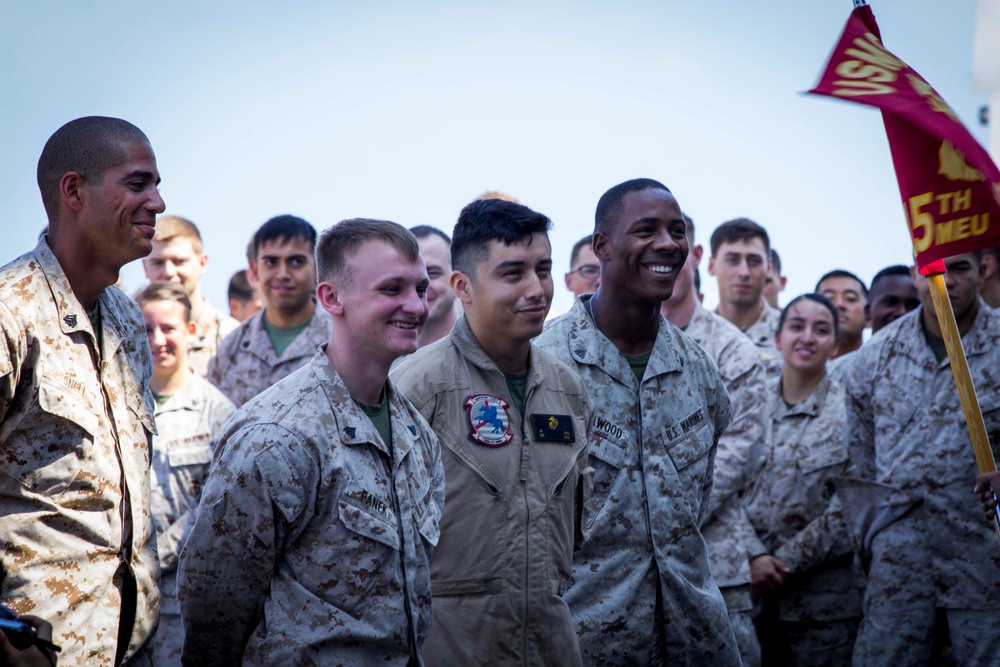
(489, 421)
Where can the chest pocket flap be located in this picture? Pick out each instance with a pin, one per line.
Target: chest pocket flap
(368, 515)
(191, 454)
(691, 443)
(63, 404)
(825, 454)
(608, 442)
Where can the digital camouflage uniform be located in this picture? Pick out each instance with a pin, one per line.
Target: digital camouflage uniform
(514, 502)
(908, 432)
(726, 527)
(761, 333)
(313, 537)
(189, 424)
(74, 461)
(246, 364)
(838, 369)
(792, 504)
(211, 328)
(642, 591)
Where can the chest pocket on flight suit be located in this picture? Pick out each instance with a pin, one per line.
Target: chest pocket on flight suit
(368, 546)
(51, 460)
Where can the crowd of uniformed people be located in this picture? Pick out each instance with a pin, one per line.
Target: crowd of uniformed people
(388, 453)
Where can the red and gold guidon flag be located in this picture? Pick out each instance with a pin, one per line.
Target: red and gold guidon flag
(949, 184)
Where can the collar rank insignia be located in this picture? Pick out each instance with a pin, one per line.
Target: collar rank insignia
(413, 429)
(489, 422)
(350, 431)
(553, 428)
(70, 320)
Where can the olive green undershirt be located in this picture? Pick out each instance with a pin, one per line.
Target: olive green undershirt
(516, 384)
(638, 363)
(379, 416)
(161, 399)
(282, 337)
(936, 343)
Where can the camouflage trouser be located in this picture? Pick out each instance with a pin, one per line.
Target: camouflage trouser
(900, 610)
(740, 608)
(820, 644)
(805, 643)
(168, 641)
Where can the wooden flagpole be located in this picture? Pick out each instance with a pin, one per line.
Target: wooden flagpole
(963, 378)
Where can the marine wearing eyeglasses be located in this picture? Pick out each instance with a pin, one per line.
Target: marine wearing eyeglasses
(585, 273)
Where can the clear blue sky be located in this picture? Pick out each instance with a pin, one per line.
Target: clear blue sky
(406, 111)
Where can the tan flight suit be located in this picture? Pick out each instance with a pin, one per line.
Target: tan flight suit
(514, 502)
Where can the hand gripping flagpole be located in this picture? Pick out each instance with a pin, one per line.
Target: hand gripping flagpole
(963, 378)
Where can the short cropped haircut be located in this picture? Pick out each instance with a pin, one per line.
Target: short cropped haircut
(486, 220)
(170, 227)
(688, 228)
(609, 206)
(496, 194)
(818, 298)
(842, 273)
(284, 228)
(776, 261)
(337, 243)
(164, 291)
(239, 287)
(88, 146)
(585, 242)
(423, 231)
(894, 270)
(739, 229)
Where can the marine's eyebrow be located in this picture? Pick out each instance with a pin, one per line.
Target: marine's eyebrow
(143, 174)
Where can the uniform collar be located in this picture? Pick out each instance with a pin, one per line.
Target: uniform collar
(353, 425)
(588, 345)
(468, 346)
(72, 317)
(980, 339)
(258, 342)
(811, 406)
(761, 332)
(208, 320)
(190, 397)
